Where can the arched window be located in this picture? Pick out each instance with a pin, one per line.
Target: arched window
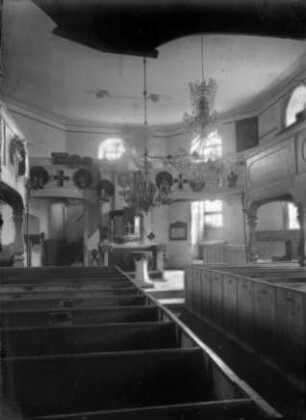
(209, 149)
(296, 104)
(111, 149)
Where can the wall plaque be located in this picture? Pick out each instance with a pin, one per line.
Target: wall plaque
(178, 231)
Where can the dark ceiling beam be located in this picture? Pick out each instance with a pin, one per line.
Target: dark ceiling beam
(140, 27)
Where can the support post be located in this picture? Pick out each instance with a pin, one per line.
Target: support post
(252, 222)
(18, 219)
(302, 222)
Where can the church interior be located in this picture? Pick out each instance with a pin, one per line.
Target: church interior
(153, 209)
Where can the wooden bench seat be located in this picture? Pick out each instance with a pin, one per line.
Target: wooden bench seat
(54, 340)
(69, 294)
(109, 381)
(39, 279)
(30, 304)
(80, 316)
(62, 286)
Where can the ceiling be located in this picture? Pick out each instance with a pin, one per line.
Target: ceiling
(75, 82)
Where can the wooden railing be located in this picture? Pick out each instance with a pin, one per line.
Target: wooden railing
(262, 315)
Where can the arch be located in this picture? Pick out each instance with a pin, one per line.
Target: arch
(11, 197)
(295, 105)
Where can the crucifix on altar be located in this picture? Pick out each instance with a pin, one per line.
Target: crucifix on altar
(61, 178)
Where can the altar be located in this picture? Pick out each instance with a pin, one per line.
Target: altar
(122, 256)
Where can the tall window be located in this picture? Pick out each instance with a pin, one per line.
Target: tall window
(292, 216)
(209, 148)
(296, 104)
(111, 149)
(213, 216)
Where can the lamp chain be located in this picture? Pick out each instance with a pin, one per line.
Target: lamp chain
(202, 57)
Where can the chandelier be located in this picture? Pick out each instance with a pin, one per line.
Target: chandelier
(203, 119)
(142, 196)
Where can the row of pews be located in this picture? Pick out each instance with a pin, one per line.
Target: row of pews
(88, 344)
(260, 305)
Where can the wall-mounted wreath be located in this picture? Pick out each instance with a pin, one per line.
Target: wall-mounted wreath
(164, 181)
(17, 153)
(39, 177)
(105, 189)
(83, 178)
(74, 161)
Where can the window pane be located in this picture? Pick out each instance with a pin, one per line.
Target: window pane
(111, 149)
(213, 206)
(214, 220)
(296, 104)
(292, 216)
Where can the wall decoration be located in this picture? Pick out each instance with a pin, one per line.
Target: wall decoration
(17, 154)
(74, 161)
(105, 189)
(61, 178)
(197, 185)
(59, 158)
(164, 181)
(39, 177)
(232, 179)
(83, 178)
(178, 231)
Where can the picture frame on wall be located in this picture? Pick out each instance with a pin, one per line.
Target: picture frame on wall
(178, 231)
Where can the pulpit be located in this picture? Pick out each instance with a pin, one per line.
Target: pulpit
(141, 259)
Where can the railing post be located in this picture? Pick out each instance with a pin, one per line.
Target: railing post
(18, 218)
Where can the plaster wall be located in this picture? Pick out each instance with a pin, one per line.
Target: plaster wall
(43, 136)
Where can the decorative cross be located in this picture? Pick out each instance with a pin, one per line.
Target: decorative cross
(180, 181)
(61, 178)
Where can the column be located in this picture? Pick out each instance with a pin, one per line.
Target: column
(252, 222)
(302, 222)
(18, 218)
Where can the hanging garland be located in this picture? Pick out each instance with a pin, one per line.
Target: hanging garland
(17, 153)
(39, 177)
(83, 178)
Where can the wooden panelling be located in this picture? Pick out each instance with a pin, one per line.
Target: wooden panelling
(272, 165)
(245, 309)
(268, 316)
(230, 302)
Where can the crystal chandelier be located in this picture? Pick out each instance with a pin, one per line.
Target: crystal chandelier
(203, 119)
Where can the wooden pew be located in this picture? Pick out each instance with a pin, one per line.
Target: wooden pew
(62, 286)
(54, 304)
(108, 381)
(68, 293)
(147, 382)
(238, 409)
(87, 338)
(80, 316)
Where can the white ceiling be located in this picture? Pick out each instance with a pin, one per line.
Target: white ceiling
(60, 77)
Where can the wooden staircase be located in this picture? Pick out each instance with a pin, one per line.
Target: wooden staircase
(87, 343)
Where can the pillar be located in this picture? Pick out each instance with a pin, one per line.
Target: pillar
(302, 221)
(252, 222)
(18, 219)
